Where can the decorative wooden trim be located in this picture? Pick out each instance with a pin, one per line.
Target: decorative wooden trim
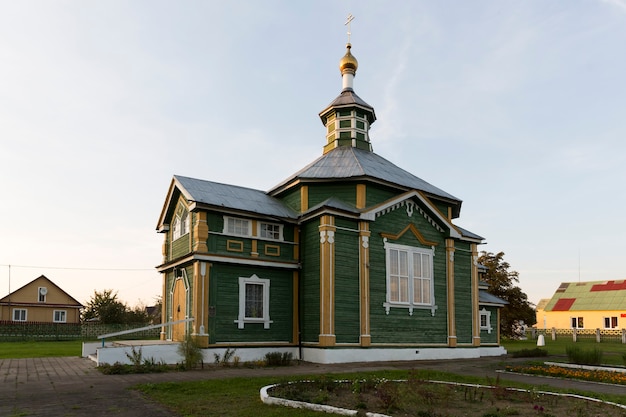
(452, 340)
(475, 302)
(200, 232)
(234, 245)
(255, 251)
(304, 198)
(327, 280)
(272, 250)
(410, 227)
(361, 195)
(365, 338)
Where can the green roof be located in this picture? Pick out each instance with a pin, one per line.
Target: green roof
(589, 296)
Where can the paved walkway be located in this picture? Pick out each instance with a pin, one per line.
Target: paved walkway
(72, 386)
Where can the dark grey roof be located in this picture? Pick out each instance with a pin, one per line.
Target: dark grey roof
(467, 233)
(485, 298)
(348, 98)
(233, 197)
(346, 162)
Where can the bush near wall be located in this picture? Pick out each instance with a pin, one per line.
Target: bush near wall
(23, 331)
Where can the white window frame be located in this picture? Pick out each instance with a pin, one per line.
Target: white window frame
(610, 321)
(578, 320)
(25, 311)
(41, 297)
(410, 303)
(484, 313)
(233, 220)
(62, 314)
(265, 319)
(260, 231)
(181, 225)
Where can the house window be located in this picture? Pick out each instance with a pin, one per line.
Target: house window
(41, 294)
(409, 277)
(59, 316)
(19, 314)
(271, 231)
(254, 299)
(577, 323)
(610, 322)
(238, 227)
(181, 224)
(485, 320)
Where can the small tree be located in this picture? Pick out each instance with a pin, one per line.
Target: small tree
(105, 307)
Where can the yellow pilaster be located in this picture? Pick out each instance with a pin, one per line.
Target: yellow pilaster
(450, 278)
(360, 195)
(296, 246)
(327, 281)
(163, 334)
(200, 232)
(304, 198)
(364, 283)
(475, 307)
(199, 308)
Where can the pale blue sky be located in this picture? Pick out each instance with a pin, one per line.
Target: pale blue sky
(516, 107)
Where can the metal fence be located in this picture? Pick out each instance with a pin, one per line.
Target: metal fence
(23, 331)
(599, 335)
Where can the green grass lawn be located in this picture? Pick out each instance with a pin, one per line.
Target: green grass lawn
(18, 350)
(240, 396)
(612, 351)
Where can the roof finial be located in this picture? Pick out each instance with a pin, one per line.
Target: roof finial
(348, 21)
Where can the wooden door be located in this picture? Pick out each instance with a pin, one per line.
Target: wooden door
(179, 306)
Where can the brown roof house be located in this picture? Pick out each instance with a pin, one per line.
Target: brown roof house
(41, 300)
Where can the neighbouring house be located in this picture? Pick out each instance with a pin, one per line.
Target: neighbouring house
(352, 258)
(585, 305)
(41, 301)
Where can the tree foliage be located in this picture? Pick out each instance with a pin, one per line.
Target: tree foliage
(502, 283)
(105, 308)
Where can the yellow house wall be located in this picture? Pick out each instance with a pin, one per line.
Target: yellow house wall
(591, 319)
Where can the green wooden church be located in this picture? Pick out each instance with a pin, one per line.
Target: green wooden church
(350, 259)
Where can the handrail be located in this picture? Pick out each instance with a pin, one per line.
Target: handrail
(139, 329)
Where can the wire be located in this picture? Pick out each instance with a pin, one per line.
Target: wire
(77, 268)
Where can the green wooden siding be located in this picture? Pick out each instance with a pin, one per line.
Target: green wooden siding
(292, 199)
(485, 336)
(310, 282)
(398, 326)
(321, 192)
(347, 294)
(224, 301)
(180, 247)
(463, 292)
(376, 194)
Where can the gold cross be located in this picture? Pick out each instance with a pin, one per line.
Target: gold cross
(350, 19)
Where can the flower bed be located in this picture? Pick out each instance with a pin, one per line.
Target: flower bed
(562, 371)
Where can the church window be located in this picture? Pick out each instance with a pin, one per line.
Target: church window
(254, 299)
(181, 224)
(409, 277)
(485, 320)
(237, 227)
(271, 231)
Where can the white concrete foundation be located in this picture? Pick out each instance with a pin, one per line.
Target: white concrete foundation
(167, 352)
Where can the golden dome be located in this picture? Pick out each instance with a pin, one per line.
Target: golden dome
(348, 62)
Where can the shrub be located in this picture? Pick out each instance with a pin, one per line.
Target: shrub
(191, 352)
(582, 356)
(530, 353)
(278, 359)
